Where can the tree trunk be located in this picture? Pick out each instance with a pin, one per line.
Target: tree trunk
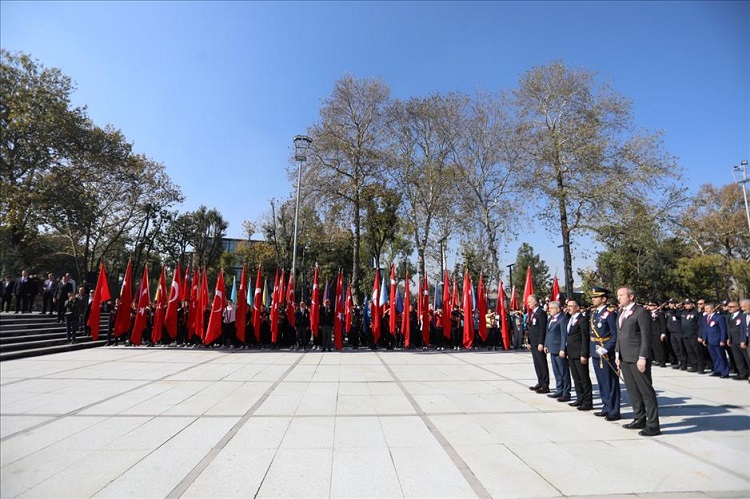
(565, 230)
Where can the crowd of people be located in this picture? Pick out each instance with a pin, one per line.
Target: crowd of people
(618, 338)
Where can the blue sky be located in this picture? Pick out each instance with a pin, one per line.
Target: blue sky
(216, 91)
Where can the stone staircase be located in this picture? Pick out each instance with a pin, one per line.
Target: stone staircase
(30, 335)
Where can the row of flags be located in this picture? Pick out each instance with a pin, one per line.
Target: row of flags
(195, 288)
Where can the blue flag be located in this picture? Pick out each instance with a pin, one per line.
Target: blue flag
(366, 315)
(399, 302)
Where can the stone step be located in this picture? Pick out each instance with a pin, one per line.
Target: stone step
(33, 336)
(34, 352)
(28, 335)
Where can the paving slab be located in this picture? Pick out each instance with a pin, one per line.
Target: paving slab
(170, 422)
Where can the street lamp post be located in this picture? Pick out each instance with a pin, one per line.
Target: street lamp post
(737, 169)
(510, 274)
(301, 145)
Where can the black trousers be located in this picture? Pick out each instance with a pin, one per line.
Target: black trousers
(657, 349)
(540, 366)
(641, 392)
(693, 354)
(47, 302)
(581, 381)
(741, 359)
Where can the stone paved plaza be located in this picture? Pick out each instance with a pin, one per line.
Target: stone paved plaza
(155, 422)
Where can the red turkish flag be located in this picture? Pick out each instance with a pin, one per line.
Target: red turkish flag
(392, 302)
(241, 312)
(161, 305)
(290, 300)
(482, 308)
(468, 313)
(425, 312)
(122, 321)
(213, 331)
(101, 294)
(194, 300)
(257, 306)
(406, 317)
(185, 286)
(514, 300)
(170, 317)
(446, 306)
(339, 311)
(503, 315)
(200, 313)
(528, 288)
(348, 310)
(555, 290)
(143, 303)
(274, 316)
(375, 308)
(315, 305)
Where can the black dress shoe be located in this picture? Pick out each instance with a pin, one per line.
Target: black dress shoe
(715, 374)
(649, 432)
(575, 404)
(543, 389)
(724, 376)
(535, 387)
(635, 425)
(600, 414)
(566, 398)
(555, 395)
(585, 407)
(612, 418)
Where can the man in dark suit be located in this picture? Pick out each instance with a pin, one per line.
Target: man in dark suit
(632, 355)
(737, 338)
(23, 292)
(302, 323)
(326, 325)
(536, 324)
(577, 348)
(714, 336)
(745, 328)
(554, 345)
(61, 295)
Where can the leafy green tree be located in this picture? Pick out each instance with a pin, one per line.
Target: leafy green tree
(209, 230)
(715, 221)
(381, 221)
(540, 277)
(40, 128)
(703, 276)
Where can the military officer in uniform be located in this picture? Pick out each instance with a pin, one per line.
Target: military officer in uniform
(603, 332)
(690, 327)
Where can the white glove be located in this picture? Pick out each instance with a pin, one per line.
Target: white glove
(601, 351)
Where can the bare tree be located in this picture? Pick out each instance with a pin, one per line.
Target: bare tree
(346, 152)
(419, 164)
(586, 158)
(488, 159)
